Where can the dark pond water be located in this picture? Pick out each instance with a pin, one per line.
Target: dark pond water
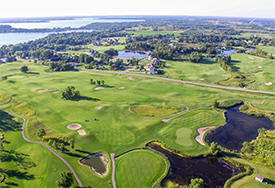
(95, 162)
(239, 128)
(214, 171)
(129, 55)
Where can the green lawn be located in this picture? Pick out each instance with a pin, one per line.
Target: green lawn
(116, 129)
(249, 181)
(261, 69)
(198, 72)
(140, 168)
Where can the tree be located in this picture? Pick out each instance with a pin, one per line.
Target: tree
(196, 183)
(111, 52)
(41, 133)
(247, 147)
(65, 180)
(214, 148)
(24, 69)
(262, 132)
(215, 103)
(195, 57)
(70, 93)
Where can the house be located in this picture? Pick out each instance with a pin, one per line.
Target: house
(155, 61)
(150, 58)
(3, 60)
(259, 178)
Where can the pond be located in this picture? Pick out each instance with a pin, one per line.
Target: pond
(130, 55)
(98, 162)
(213, 170)
(227, 52)
(239, 128)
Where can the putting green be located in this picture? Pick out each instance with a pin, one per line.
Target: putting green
(184, 137)
(140, 168)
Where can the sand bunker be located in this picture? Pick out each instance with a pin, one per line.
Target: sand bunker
(202, 79)
(259, 67)
(99, 88)
(81, 132)
(121, 88)
(98, 107)
(130, 78)
(201, 132)
(54, 91)
(74, 126)
(42, 90)
(268, 83)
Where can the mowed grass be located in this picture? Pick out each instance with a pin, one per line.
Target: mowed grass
(261, 69)
(102, 49)
(180, 133)
(30, 165)
(116, 129)
(249, 181)
(208, 72)
(140, 168)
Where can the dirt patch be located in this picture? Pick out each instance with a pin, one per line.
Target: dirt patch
(42, 90)
(121, 87)
(130, 78)
(81, 132)
(268, 83)
(98, 107)
(201, 132)
(74, 126)
(99, 88)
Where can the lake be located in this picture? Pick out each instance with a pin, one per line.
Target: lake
(239, 128)
(73, 23)
(130, 55)
(15, 38)
(214, 171)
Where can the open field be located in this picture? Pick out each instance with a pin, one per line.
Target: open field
(210, 72)
(149, 33)
(116, 129)
(143, 168)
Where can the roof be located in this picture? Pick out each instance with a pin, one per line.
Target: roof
(259, 176)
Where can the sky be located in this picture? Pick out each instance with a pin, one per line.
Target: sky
(49, 8)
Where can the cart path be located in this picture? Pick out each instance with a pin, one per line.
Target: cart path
(186, 111)
(48, 148)
(188, 82)
(113, 170)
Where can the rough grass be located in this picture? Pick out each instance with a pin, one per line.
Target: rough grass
(154, 111)
(140, 168)
(229, 103)
(4, 99)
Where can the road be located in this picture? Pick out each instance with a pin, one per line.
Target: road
(113, 170)
(190, 83)
(48, 148)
